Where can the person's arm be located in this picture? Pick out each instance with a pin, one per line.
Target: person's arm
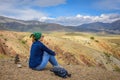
(49, 51)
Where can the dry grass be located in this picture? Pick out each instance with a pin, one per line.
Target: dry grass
(73, 50)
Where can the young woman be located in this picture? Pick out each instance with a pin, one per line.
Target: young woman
(40, 55)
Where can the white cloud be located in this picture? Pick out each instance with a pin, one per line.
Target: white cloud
(82, 19)
(108, 4)
(29, 3)
(45, 3)
(24, 14)
(21, 9)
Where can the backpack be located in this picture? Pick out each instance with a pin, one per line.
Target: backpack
(61, 72)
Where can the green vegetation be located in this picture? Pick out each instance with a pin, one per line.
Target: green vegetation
(23, 41)
(92, 38)
(107, 54)
(96, 41)
(117, 69)
(5, 39)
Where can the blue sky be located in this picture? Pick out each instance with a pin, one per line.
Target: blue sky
(65, 12)
(84, 7)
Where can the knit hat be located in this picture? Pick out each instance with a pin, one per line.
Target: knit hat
(36, 35)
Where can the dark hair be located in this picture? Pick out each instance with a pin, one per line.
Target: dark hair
(36, 35)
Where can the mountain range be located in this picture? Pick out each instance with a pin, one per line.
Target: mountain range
(33, 25)
(113, 27)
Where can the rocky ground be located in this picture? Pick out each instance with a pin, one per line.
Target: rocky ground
(10, 71)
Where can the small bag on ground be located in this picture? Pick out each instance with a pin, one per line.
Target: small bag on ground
(61, 72)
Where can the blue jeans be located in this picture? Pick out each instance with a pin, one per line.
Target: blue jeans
(47, 58)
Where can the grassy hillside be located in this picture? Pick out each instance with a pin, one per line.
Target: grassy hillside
(71, 48)
(14, 43)
(86, 48)
(81, 50)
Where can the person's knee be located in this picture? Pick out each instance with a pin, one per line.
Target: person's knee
(39, 68)
(46, 54)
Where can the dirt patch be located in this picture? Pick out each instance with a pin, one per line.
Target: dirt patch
(9, 71)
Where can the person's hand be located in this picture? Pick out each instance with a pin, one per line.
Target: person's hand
(55, 53)
(42, 38)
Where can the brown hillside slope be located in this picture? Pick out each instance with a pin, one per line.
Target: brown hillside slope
(12, 43)
(71, 48)
(84, 58)
(79, 48)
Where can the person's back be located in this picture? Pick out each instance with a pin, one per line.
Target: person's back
(36, 54)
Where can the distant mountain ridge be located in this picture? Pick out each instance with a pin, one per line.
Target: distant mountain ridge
(113, 27)
(30, 26)
(33, 25)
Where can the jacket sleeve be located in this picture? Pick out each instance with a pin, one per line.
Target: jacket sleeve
(49, 51)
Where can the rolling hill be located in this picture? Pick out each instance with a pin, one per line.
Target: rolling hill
(32, 25)
(72, 48)
(85, 55)
(29, 26)
(113, 28)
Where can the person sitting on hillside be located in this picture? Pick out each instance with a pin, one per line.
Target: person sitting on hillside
(40, 55)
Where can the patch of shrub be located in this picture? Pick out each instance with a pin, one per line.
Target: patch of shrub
(107, 54)
(23, 41)
(6, 39)
(92, 38)
(96, 41)
(117, 68)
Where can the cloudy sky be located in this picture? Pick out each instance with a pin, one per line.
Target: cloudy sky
(65, 12)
